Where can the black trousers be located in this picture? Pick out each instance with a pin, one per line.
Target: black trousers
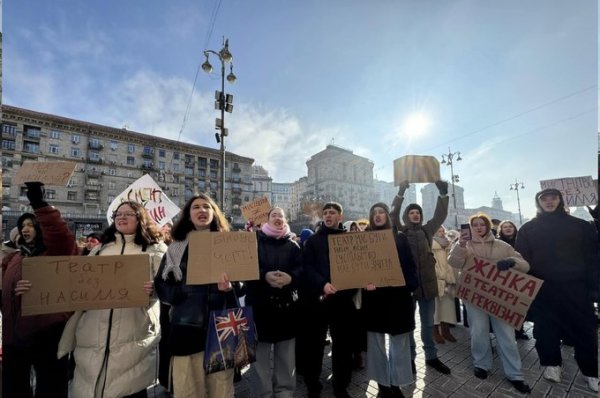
(50, 373)
(338, 313)
(565, 312)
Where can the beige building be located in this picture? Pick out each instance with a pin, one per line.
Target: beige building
(109, 159)
(338, 174)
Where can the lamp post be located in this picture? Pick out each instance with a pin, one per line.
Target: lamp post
(448, 159)
(223, 102)
(515, 187)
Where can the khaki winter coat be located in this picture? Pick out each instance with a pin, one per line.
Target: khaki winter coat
(445, 274)
(116, 350)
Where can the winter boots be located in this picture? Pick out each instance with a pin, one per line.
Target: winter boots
(441, 333)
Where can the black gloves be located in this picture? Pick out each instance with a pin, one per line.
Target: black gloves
(503, 265)
(35, 194)
(402, 188)
(442, 186)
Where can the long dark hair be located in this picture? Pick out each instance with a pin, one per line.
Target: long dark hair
(388, 222)
(185, 225)
(508, 239)
(146, 233)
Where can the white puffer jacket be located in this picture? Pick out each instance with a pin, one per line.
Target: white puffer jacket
(116, 349)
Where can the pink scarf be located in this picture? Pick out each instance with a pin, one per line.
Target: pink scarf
(273, 232)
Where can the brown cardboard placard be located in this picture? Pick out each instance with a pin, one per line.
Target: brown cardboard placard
(49, 173)
(576, 191)
(257, 211)
(415, 168)
(72, 283)
(506, 295)
(359, 258)
(211, 254)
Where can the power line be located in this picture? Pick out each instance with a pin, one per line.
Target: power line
(514, 116)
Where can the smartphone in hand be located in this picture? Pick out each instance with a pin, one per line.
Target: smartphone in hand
(465, 231)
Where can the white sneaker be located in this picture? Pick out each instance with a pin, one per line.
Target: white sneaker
(592, 383)
(552, 373)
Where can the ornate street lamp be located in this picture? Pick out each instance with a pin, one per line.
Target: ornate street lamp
(515, 187)
(448, 159)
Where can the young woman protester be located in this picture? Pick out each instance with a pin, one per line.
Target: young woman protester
(507, 232)
(115, 350)
(390, 368)
(191, 304)
(483, 244)
(272, 298)
(31, 341)
(445, 311)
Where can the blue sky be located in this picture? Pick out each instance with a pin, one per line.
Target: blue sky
(510, 84)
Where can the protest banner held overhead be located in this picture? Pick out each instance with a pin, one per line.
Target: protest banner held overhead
(414, 168)
(257, 211)
(576, 191)
(146, 191)
(48, 173)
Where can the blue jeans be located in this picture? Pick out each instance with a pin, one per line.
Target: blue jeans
(389, 368)
(481, 347)
(426, 311)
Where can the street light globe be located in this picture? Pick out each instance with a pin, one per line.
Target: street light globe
(225, 55)
(231, 77)
(206, 66)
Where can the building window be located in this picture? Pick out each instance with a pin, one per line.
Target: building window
(23, 191)
(72, 195)
(148, 151)
(114, 145)
(189, 171)
(8, 144)
(213, 174)
(31, 147)
(130, 148)
(50, 194)
(94, 155)
(75, 152)
(175, 191)
(148, 164)
(55, 134)
(32, 132)
(112, 171)
(6, 161)
(161, 165)
(9, 129)
(162, 153)
(53, 148)
(112, 185)
(202, 172)
(75, 138)
(202, 185)
(176, 167)
(214, 164)
(202, 162)
(130, 160)
(72, 182)
(110, 198)
(176, 155)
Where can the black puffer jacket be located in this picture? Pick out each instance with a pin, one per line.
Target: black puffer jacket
(190, 308)
(420, 238)
(390, 309)
(274, 309)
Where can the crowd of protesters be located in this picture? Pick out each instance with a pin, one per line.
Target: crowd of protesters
(297, 310)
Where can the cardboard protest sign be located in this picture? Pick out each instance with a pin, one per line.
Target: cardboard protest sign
(257, 211)
(72, 283)
(49, 173)
(359, 258)
(211, 254)
(146, 191)
(413, 168)
(576, 191)
(505, 295)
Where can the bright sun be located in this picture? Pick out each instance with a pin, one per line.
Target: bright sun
(416, 124)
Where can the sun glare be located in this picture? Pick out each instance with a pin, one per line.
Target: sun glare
(416, 124)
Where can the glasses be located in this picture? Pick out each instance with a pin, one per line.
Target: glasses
(127, 214)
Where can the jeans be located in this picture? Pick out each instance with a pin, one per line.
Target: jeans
(426, 311)
(278, 380)
(389, 368)
(481, 347)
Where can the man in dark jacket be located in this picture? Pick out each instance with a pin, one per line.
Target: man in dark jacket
(331, 308)
(562, 250)
(420, 237)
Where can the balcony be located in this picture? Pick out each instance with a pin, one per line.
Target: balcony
(189, 162)
(93, 187)
(32, 134)
(236, 168)
(95, 145)
(95, 159)
(93, 173)
(92, 198)
(148, 153)
(147, 166)
(236, 190)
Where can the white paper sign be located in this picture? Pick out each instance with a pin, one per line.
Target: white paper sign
(146, 191)
(576, 191)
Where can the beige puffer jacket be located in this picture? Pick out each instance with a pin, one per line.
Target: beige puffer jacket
(116, 350)
(489, 248)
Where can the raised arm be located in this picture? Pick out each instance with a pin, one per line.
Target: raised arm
(397, 204)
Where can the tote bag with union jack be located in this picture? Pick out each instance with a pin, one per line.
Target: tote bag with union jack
(231, 339)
